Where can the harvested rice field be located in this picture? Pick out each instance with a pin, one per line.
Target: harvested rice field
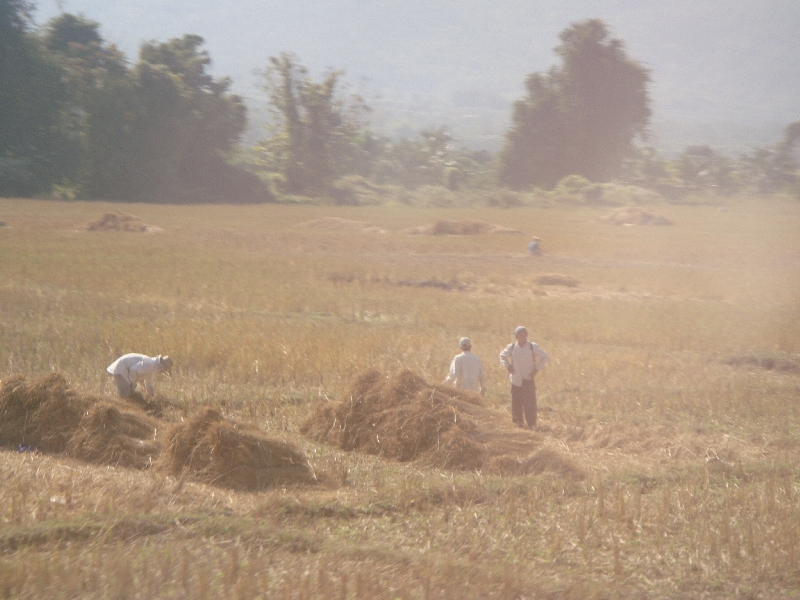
(305, 447)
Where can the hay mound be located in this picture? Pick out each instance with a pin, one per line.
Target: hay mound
(459, 227)
(210, 449)
(557, 279)
(117, 222)
(43, 414)
(110, 436)
(405, 418)
(633, 215)
(47, 415)
(339, 224)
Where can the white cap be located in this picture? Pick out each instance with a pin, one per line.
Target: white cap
(465, 342)
(519, 330)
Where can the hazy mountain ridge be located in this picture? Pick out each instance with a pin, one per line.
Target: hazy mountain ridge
(727, 67)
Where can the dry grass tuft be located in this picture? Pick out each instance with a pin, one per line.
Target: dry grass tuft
(110, 436)
(459, 227)
(633, 215)
(405, 418)
(339, 224)
(42, 414)
(211, 449)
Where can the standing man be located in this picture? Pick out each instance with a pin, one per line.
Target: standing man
(128, 370)
(523, 360)
(466, 370)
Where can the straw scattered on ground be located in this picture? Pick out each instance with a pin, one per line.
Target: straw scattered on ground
(339, 224)
(403, 417)
(208, 448)
(459, 227)
(633, 215)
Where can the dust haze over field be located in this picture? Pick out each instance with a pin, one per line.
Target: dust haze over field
(724, 72)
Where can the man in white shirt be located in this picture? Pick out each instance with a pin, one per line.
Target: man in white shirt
(523, 360)
(130, 369)
(466, 370)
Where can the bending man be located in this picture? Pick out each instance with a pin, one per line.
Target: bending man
(523, 360)
(130, 369)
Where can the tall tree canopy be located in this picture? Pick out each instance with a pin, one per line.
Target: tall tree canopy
(315, 126)
(34, 147)
(580, 117)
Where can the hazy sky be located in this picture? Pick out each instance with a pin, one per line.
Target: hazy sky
(712, 61)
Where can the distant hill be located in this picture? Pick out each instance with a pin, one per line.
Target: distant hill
(725, 72)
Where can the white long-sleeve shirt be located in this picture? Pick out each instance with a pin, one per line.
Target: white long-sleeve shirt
(525, 359)
(466, 372)
(135, 368)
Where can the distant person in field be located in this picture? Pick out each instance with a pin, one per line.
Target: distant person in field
(523, 360)
(131, 369)
(466, 370)
(533, 246)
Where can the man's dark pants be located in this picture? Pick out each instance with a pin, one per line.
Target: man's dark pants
(523, 401)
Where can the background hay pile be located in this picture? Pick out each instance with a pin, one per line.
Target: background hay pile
(459, 227)
(339, 224)
(117, 222)
(45, 414)
(633, 215)
(210, 449)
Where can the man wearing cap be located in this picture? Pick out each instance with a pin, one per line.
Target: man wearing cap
(523, 360)
(466, 370)
(130, 369)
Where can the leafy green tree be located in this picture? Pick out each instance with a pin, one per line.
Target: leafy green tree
(580, 117)
(777, 168)
(315, 131)
(102, 105)
(34, 145)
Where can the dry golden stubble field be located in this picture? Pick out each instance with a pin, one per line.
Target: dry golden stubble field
(687, 445)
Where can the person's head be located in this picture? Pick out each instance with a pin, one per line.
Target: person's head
(465, 343)
(521, 334)
(165, 364)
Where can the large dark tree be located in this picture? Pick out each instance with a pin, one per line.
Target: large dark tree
(34, 146)
(579, 118)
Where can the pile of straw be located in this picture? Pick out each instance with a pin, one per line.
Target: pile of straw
(110, 436)
(46, 415)
(459, 227)
(633, 215)
(404, 418)
(117, 222)
(339, 224)
(211, 449)
(43, 414)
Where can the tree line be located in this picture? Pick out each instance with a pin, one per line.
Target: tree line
(77, 119)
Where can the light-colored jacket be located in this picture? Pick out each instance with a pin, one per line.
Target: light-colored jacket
(525, 359)
(466, 372)
(135, 368)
